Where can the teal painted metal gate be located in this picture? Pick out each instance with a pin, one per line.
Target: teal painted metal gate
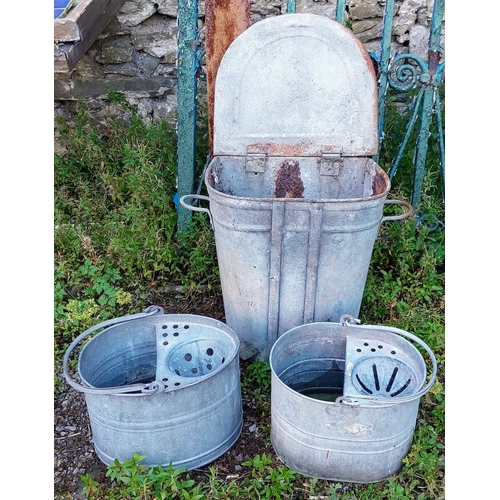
(406, 72)
(187, 57)
(403, 73)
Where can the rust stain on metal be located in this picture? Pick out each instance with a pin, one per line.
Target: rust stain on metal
(276, 149)
(224, 21)
(288, 181)
(379, 185)
(433, 58)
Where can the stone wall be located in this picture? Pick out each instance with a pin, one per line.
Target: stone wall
(136, 52)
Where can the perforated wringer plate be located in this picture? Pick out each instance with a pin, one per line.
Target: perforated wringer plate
(380, 369)
(188, 351)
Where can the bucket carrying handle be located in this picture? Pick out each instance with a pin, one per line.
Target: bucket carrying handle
(183, 199)
(402, 216)
(151, 388)
(351, 322)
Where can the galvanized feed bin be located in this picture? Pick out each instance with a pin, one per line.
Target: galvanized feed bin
(165, 386)
(295, 199)
(344, 399)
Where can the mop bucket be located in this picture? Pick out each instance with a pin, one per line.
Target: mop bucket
(345, 398)
(165, 386)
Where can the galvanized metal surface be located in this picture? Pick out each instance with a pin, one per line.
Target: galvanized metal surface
(166, 386)
(359, 437)
(288, 261)
(382, 367)
(296, 85)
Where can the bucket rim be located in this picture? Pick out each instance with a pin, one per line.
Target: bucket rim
(346, 201)
(154, 313)
(348, 321)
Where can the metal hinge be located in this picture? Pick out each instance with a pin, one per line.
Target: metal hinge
(331, 164)
(255, 162)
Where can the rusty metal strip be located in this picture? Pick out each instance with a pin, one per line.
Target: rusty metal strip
(224, 21)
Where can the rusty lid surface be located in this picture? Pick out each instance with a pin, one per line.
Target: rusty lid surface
(296, 85)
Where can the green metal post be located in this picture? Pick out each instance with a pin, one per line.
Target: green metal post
(409, 128)
(340, 12)
(186, 103)
(290, 7)
(385, 55)
(428, 103)
(439, 122)
(421, 146)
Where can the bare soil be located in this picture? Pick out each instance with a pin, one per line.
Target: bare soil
(74, 453)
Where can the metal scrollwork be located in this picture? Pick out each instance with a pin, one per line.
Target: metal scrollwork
(439, 77)
(407, 71)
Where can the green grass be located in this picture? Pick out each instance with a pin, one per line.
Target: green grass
(117, 247)
(116, 235)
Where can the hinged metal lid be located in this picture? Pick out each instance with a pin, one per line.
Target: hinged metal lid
(295, 85)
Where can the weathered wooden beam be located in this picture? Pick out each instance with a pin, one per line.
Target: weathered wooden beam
(80, 29)
(66, 30)
(61, 52)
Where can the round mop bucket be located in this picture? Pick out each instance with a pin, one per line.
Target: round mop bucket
(344, 399)
(165, 386)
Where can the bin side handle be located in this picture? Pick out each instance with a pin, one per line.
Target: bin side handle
(196, 209)
(402, 216)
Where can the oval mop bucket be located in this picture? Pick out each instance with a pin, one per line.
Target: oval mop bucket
(344, 399)
(165, 386)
